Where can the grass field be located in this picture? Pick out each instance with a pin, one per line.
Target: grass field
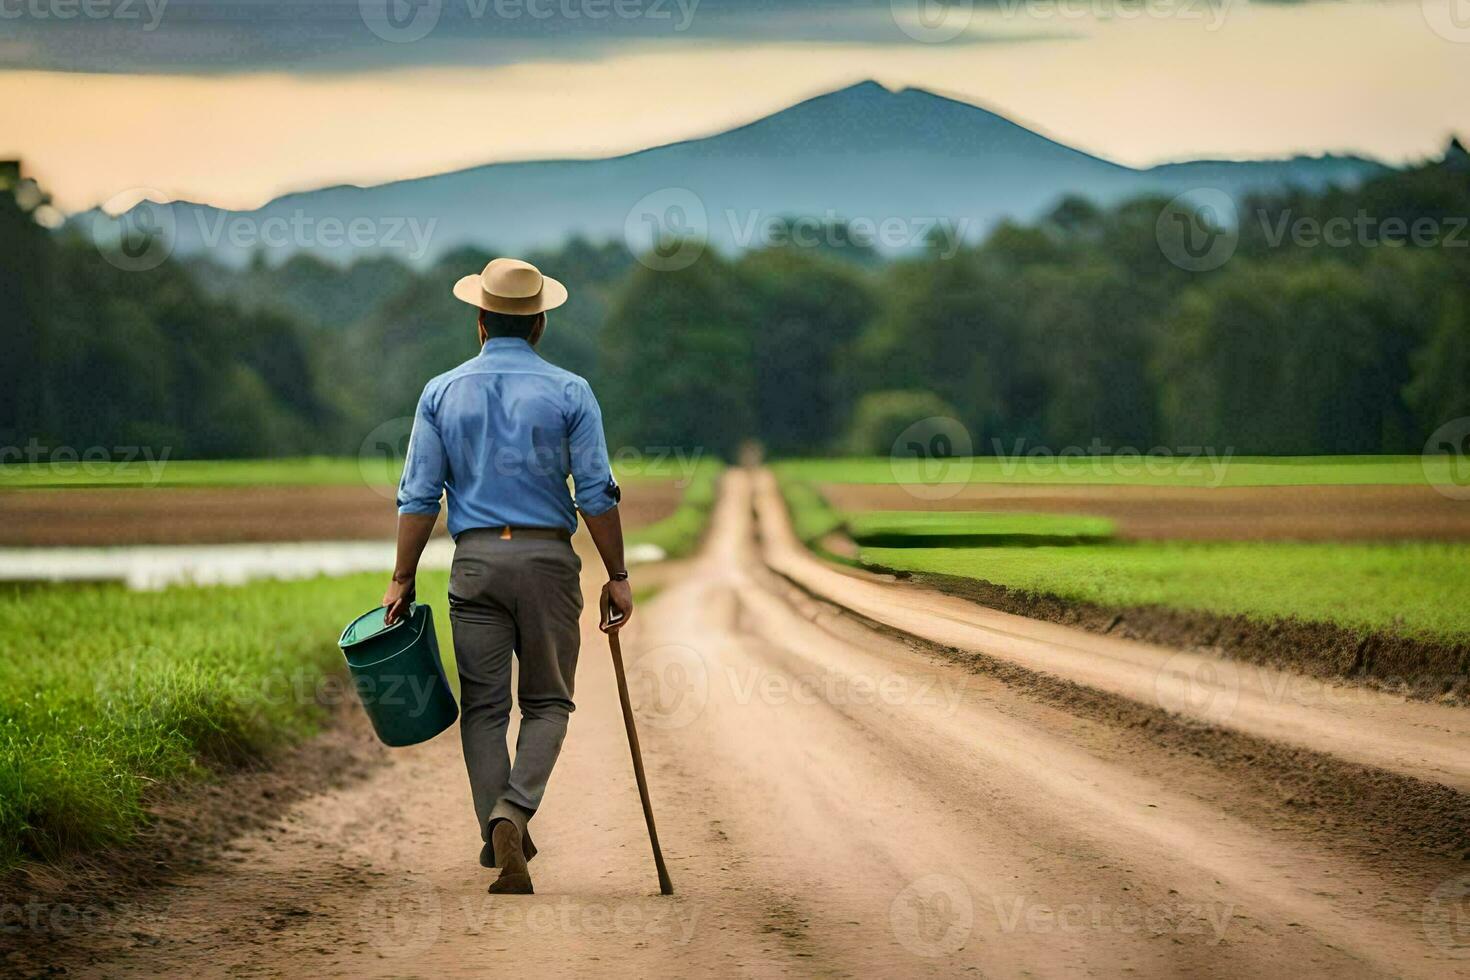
(679, 533)
(914, 528)
(1201, 471)
(299, 471)
(105, 693)
(1412, 589)
(1408, 588)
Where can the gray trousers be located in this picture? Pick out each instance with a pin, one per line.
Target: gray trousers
(522, 595)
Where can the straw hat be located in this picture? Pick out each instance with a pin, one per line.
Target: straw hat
(511, 286)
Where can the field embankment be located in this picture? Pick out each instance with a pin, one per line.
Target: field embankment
(1366, 589)
(222, 502)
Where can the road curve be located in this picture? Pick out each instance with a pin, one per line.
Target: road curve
(832, 801)
(1426, 741)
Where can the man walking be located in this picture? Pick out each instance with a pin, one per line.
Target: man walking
(499, 436)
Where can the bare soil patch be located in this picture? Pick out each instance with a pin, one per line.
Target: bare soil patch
(1420, 669)
(1296, 513)
(225, 515)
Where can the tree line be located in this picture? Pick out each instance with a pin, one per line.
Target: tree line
(1336, 322)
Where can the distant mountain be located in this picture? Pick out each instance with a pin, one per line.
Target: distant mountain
(912, 159)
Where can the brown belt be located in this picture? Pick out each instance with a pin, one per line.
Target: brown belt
(510, 533)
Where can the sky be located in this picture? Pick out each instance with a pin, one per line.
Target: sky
(233, 102)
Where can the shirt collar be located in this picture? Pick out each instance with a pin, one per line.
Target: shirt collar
(505, 344)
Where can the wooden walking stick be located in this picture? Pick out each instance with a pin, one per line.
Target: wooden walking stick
(665, 886)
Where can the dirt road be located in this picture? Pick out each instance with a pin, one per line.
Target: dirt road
(833, 801)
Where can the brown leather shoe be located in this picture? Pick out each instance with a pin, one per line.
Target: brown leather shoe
(515, 877)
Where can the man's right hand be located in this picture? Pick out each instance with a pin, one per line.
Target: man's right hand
(617, 595)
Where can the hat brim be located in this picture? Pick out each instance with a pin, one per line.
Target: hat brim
(471, 290)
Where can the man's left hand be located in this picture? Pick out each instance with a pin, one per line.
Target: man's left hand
(398, 597)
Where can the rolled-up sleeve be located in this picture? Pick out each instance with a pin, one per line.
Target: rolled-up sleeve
(595, 491)
(425, 468)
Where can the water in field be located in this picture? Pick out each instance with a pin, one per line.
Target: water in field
(159, 566)
(145, 567)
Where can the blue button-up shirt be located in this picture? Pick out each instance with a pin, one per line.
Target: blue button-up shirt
(499, 435)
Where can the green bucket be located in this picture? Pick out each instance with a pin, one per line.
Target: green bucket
(398, 675)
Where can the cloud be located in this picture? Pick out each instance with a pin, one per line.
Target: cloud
(208, 37)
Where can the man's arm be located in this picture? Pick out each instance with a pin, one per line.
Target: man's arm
(419, 491)
(607, 533)
(413, 534)
(597, 494)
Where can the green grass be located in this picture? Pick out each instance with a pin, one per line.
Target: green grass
(1414, 589)
(812, 518)
(298, 471)
(679, 534)
(105, 693)
(1405, 588)
(1240, 471)
(919, 526)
